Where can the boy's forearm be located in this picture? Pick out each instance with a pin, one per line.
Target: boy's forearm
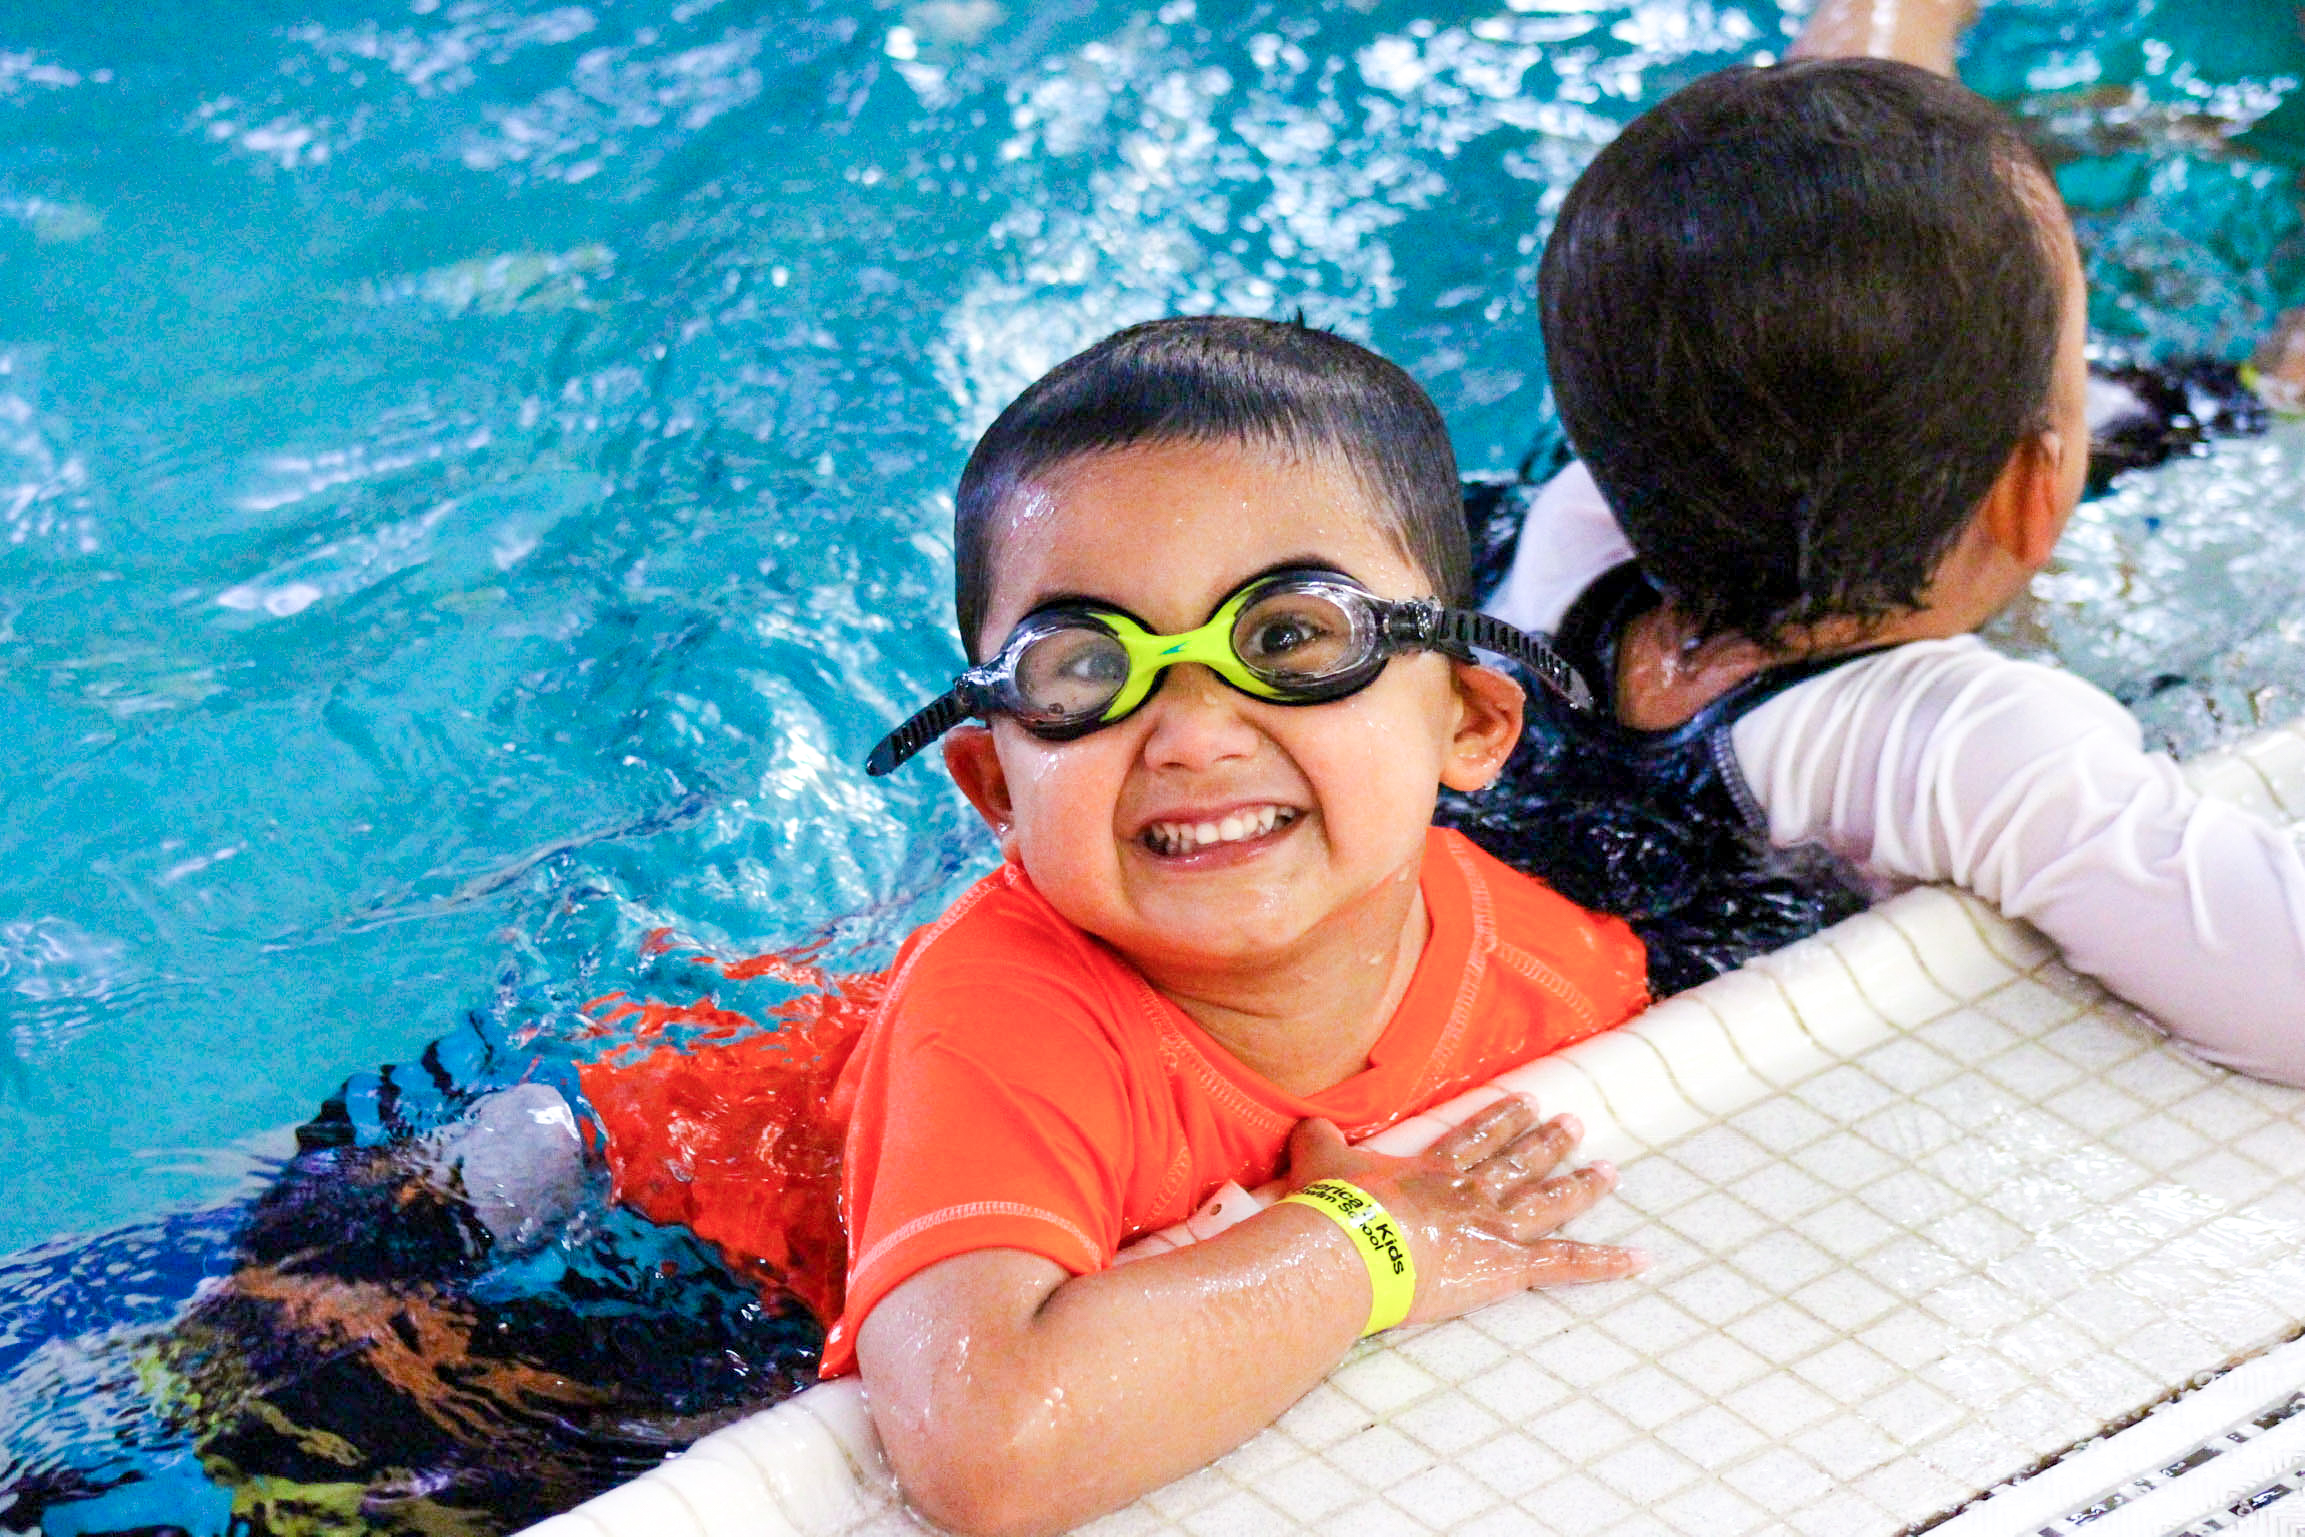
(1921, 32)
(1117, 1382)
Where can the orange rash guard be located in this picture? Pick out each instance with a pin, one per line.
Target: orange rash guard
(1023, 1087)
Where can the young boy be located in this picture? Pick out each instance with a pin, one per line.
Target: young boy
(1817, 334)
(1224, 940)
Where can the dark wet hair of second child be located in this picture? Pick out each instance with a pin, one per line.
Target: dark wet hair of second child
(1268, 384)
(1797, 319)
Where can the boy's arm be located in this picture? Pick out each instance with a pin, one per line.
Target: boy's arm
(1013, 1398)
(1944, 762)
(1921, 32)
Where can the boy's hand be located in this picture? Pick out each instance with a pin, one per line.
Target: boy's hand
(1480, 1206)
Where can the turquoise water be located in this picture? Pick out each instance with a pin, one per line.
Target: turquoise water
(474, 475)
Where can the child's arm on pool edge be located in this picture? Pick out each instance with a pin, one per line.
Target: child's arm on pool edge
(1014, 1398)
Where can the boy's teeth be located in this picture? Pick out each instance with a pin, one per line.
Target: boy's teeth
(1185, 837)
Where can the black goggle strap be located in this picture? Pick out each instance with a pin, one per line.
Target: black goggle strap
(954, 706)
(1462, 628)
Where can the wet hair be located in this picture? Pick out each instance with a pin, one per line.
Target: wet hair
(1264, 384)
(1797, 318)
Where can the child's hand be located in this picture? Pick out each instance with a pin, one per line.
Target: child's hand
(1479, 1206)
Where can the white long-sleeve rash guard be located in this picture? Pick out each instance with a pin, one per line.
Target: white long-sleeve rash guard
(1943, 761)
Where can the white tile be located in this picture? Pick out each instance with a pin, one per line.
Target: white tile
(1911, 1267)
(1761, 1024)
(1943, 930)
(2095, 1108)
(1451, 1352)
(1910, 1412)
(1447, 1423)
(1641, 1524)
(1908, 1064)
(1580, 1431)
(1649, 1324)
(2038, 1203)
(1841, 1513)
(1912, 1489)
(1780, 1401)
(1782, 1191)
(1378, 1457)
(2226, 1175)
(1648, 1396)
(1711, 1510)
(1323, 1416)
(1824, 996)
(1909, 1338)
(1845, 1447)
(1845, 1094)
(1657, 1185)
(1974, 1236)
(1238, 1514)
(1974, 1379)
(1973, 1304)
(1524, 1318)
(1975, 1454)
(1582, 1357)
(1505, 1521)
(1716, 1223)
(1782, 1259)
(1888, 970)
(1779, 1479)
(1382, 1381)
(1644, 1472)
(1711, 1437)
(1705, 1064)
(1780, 1332)
(1715, 1364)
(2162, 1144)
(1846, 1371)
(1983, 1031)
(1513, 1464)
(1307, 1491)
(1444, 1498)
(1576, 1504)
(2159, 1077)
(2044, 1344)
(1175, 1501)
(1845, 1299)
(1720, 1153)
(1848, 1228)
(2032, 1072)
(1910, 1198)
(2278, 1144)
(1782, 1124)
(1517, 1389)
(1715, 1293)
(2095, 1043)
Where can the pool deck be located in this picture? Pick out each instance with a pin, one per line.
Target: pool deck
(1924, 1210)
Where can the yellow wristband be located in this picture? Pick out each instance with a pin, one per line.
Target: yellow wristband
(1392, 1273)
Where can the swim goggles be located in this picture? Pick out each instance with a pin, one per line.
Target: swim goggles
(1298, 636)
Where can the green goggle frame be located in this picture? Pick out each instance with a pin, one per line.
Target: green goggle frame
(1297, 636)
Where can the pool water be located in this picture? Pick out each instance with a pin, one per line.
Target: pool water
(474, 482)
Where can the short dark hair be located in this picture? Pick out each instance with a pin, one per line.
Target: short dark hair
(1223, 379)
(1797, 318)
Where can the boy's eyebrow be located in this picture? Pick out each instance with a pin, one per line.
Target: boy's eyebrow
(1068, 599)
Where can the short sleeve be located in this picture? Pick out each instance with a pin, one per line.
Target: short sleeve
(992, 1111)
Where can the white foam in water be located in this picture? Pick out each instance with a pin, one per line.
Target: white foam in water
(1925, 1209)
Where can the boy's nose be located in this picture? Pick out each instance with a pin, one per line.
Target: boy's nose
(1197, 720)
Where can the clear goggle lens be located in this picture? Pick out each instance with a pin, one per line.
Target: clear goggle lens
(1299, 638)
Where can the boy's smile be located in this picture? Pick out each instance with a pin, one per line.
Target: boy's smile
(1211, 835)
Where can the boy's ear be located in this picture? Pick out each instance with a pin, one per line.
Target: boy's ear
(2024, 512)
(975, 767)
(1488, 726)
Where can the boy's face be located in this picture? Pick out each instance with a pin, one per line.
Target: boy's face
(1346, 788)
